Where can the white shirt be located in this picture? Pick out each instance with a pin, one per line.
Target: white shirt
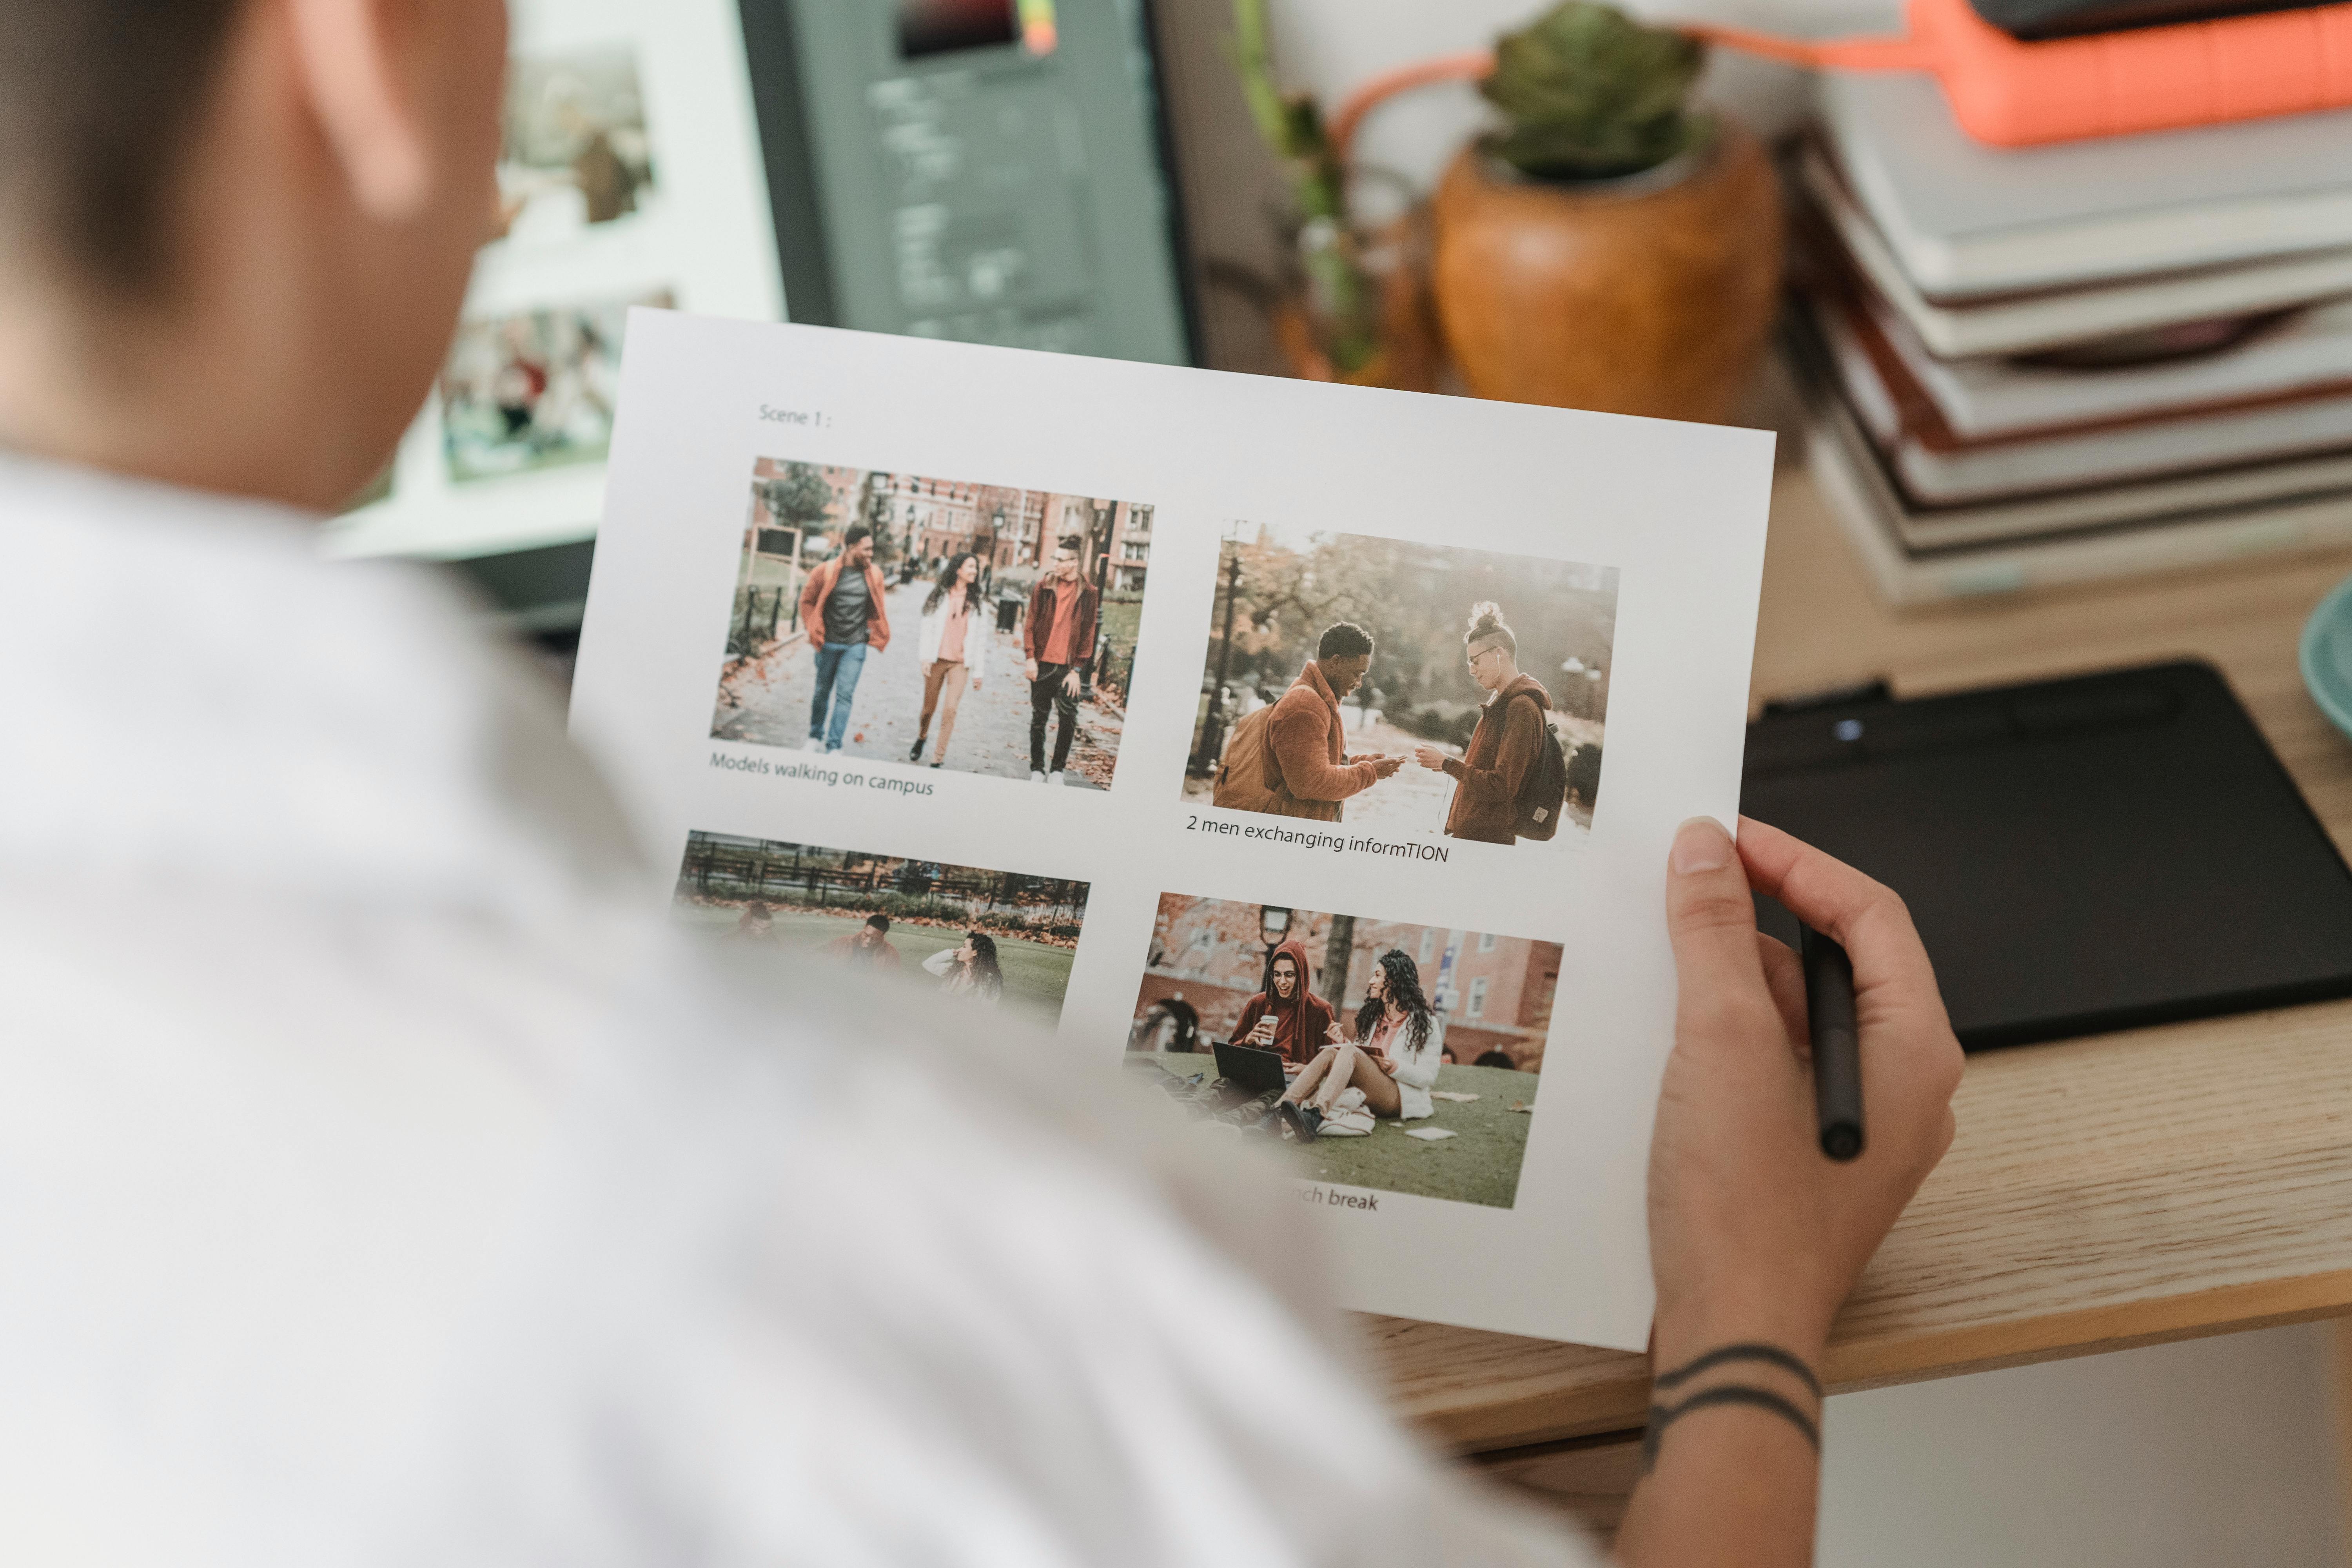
(1416, 1072)
(934, 630)
(383, 1182)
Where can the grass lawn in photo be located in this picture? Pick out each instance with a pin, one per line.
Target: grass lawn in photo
(1479, 1165)
(1035, 973)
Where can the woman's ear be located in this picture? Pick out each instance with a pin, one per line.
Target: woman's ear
(351, 55)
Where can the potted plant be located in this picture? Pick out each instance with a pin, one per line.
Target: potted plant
(1610, 246)
(1353, 304)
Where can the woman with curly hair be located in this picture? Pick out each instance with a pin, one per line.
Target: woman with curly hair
(969, 970)
(1386, 1068)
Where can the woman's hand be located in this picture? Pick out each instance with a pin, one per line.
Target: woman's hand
(1387, 1065)
(1337, 1034)
(1754, 1234)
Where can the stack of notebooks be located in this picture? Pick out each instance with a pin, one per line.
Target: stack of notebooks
(2057, 364)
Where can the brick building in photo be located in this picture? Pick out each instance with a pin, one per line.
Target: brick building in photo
(1494, 992)
(934, 519)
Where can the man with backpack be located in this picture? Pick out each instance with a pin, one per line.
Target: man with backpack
(1291, 759)
(1512, 781)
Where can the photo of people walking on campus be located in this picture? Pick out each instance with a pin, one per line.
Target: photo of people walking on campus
(1413, 690)
(935, 623)
(1379, 1054)
(988, 939)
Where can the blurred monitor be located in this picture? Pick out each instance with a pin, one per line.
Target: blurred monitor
(991, 171)
(987, 171)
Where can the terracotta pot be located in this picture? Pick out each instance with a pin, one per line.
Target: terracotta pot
(1647, 295)
(1395, 261)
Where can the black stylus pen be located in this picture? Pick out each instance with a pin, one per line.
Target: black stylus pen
(1837, 1045)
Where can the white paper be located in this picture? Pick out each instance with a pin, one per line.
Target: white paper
(1671, 517)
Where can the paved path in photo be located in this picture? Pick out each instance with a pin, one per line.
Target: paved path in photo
(1413, 801)
(991, 734)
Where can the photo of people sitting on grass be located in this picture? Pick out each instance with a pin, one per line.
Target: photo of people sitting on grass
(935, 623)
(1381, 1054)
(1413, 690)
(988, 939)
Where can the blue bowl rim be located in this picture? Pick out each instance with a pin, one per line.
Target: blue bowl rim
(2334, 606)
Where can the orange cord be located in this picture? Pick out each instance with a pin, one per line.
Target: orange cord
(1836, 54)
(1843, 54)
(1468, 66)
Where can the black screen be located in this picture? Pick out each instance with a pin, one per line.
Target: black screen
(982, 171)
(2089, 853)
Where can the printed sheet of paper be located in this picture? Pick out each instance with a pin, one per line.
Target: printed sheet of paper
(1265, 738)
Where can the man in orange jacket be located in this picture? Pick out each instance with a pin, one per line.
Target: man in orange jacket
(1309, 741)
(841, 610)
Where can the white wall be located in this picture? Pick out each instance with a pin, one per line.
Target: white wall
(1330, 46)
(2209, 1453)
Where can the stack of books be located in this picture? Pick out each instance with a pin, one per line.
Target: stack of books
(2035, 366)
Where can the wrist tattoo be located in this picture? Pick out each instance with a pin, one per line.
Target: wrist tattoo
(1771, 1354)
(1741, 1394)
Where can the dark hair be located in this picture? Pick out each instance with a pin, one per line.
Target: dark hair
(879, 922)
(1298, 976)
(1486, 621)
(852, 534)
(983, 962)
(1344, 639)
(104, 99)
(1071, 543)
(947, 581)
(1495, 1059)
(756, 908)
(1404, 990)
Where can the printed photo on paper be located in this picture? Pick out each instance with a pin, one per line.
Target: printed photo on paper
(935, 623)
(989, 939)
(1408, 690)
(1379, 1054)
(534, 390)
(575, 154)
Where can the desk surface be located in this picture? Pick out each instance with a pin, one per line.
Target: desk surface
(2102, 1193)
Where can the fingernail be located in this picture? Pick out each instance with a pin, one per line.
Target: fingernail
(1701, 845)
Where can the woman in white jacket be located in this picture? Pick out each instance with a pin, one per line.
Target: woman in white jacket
(1391, 1063)
(953, 648)
(968, 971)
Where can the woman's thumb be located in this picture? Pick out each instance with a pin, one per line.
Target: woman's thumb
(1711, 918)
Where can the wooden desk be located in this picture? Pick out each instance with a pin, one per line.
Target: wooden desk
(2103, 1192)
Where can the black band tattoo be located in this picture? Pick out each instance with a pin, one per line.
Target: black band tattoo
(1663, 1416)
(1773, 1354)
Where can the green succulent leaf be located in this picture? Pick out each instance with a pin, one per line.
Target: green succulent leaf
(1588, 92)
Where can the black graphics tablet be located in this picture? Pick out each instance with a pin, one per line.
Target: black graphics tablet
(2097, 853)
(2037, 21)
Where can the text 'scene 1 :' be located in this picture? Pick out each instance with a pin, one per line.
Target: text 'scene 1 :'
(801, 418)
